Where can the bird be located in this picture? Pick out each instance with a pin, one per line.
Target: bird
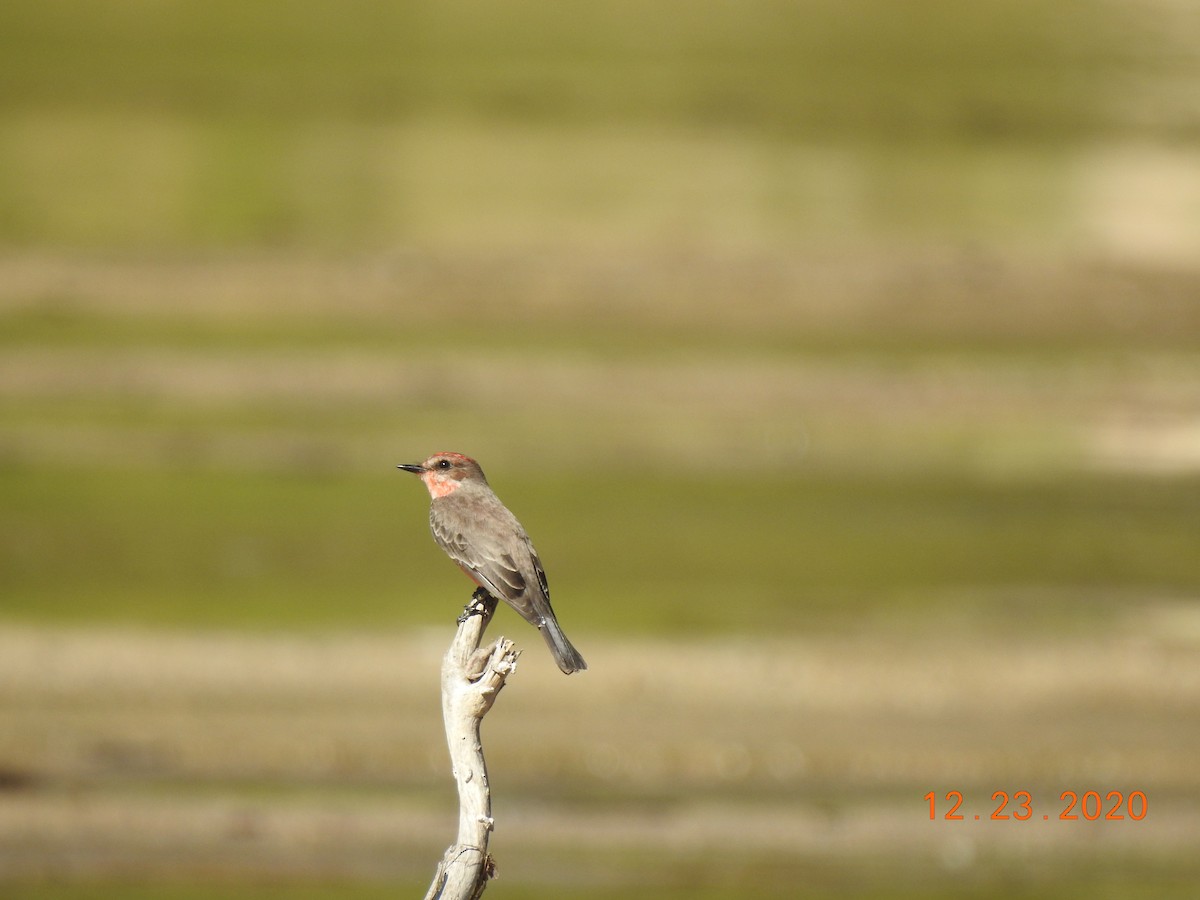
(487, 542)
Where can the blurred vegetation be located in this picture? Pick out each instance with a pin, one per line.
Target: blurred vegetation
(816, 882)
(351, 125)
(765, 317)
(719, 552)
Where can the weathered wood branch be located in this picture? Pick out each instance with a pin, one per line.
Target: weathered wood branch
(471, 678)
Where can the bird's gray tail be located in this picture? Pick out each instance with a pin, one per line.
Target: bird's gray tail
(565, 655)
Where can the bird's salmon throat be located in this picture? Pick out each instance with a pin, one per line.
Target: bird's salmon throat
(439, 487)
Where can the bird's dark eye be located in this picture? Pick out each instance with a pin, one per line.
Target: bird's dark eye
(443, 463)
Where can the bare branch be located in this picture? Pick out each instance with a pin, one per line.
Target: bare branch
(471, 678)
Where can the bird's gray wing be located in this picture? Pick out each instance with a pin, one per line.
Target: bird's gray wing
(493, 568)
(540, 572)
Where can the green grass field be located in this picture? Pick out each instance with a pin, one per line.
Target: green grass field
(658, 555)
(839, 357)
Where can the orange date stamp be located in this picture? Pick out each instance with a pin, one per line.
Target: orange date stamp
(1091, 806)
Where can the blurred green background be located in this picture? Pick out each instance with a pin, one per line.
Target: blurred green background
(812, 322)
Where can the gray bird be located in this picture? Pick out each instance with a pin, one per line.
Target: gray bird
(478, 532)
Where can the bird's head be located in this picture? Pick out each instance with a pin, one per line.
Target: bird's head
(444, 473)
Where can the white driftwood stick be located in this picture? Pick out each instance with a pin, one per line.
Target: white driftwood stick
(470, 680)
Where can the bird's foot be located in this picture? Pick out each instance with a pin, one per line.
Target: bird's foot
(479, 605)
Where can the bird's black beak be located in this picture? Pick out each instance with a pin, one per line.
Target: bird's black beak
(415, 468)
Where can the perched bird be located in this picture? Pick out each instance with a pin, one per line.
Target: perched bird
(478, 532)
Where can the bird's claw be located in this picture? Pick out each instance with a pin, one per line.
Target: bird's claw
(477, 607)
